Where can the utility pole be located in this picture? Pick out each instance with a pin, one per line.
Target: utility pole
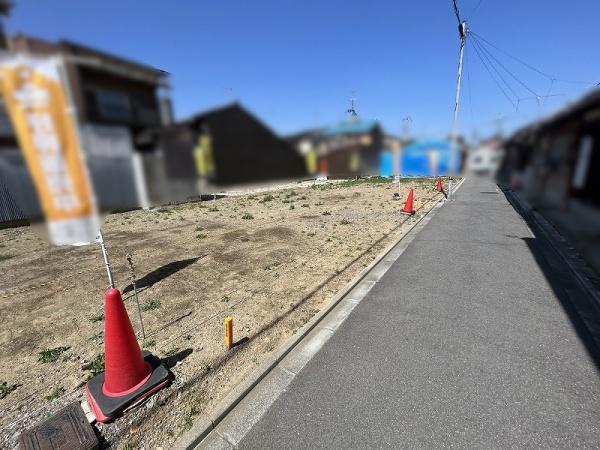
(462, 31)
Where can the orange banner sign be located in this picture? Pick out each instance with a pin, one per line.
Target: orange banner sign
(36, 98)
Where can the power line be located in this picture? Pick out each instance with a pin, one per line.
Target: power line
(491, 64)
(469, 81)
(511, 56)
(504, 67)
(456, 12)
(549, 90)
(509, 87)
(494, 78)
(526, 64)
(475, 9)
(538, 97)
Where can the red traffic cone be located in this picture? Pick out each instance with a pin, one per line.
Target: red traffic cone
(129, 376)
(408, 206)
(439, 185)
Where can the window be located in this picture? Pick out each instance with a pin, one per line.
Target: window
(112, 105)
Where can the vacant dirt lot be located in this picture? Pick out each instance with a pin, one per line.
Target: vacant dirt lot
(270, 260)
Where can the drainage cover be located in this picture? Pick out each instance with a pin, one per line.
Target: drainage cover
(68, 429)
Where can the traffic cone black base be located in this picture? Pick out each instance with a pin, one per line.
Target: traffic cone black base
(408, 213)
(106, 407)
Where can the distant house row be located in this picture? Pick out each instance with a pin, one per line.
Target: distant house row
(555, 160)
(555, 164)
(359, 148)
(136, 153)
(139, 156)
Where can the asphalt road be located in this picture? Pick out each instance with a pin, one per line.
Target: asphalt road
(467, 341)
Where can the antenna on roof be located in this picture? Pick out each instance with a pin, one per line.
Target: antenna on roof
(352, 110)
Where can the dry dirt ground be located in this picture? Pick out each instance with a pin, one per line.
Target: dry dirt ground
(270, 260)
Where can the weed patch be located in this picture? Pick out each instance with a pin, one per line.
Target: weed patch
(151, 304)
(6, 388)
(49, 355)
(96, 366)
(267, 198)
(55, 392)
(148, 343)
(96, 317)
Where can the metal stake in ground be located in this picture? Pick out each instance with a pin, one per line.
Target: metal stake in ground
(100, 239)
(132, 277)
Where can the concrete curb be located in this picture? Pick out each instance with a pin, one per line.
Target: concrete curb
(204, 424)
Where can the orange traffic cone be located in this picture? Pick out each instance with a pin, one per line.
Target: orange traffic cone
(408, 206)
(129, 376)
(439, 185)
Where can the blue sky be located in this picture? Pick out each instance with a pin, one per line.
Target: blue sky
(296, 63)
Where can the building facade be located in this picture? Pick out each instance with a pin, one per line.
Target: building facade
(553, 163)
(227, 146)
(115, 100)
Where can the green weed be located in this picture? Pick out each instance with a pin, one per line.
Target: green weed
(147, 343)
(49, 355)
(55, 392)
(96, 317)
(96, 366)
(6, 388)
(171, 352)
(151, 304)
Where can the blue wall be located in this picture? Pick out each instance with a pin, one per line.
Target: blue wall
(386, 163)
(429, 158)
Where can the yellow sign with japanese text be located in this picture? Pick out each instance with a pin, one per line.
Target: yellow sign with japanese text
(35, 96)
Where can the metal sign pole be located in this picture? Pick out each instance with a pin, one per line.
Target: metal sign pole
(111, 282)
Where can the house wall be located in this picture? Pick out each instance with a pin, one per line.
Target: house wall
(542, 163)
(243, 149)
(116, 100)
(247, 151)
(110, 166)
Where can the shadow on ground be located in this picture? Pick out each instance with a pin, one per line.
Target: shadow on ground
(575, 300)
(159, 274)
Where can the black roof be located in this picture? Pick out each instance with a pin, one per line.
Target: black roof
(573, 111)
